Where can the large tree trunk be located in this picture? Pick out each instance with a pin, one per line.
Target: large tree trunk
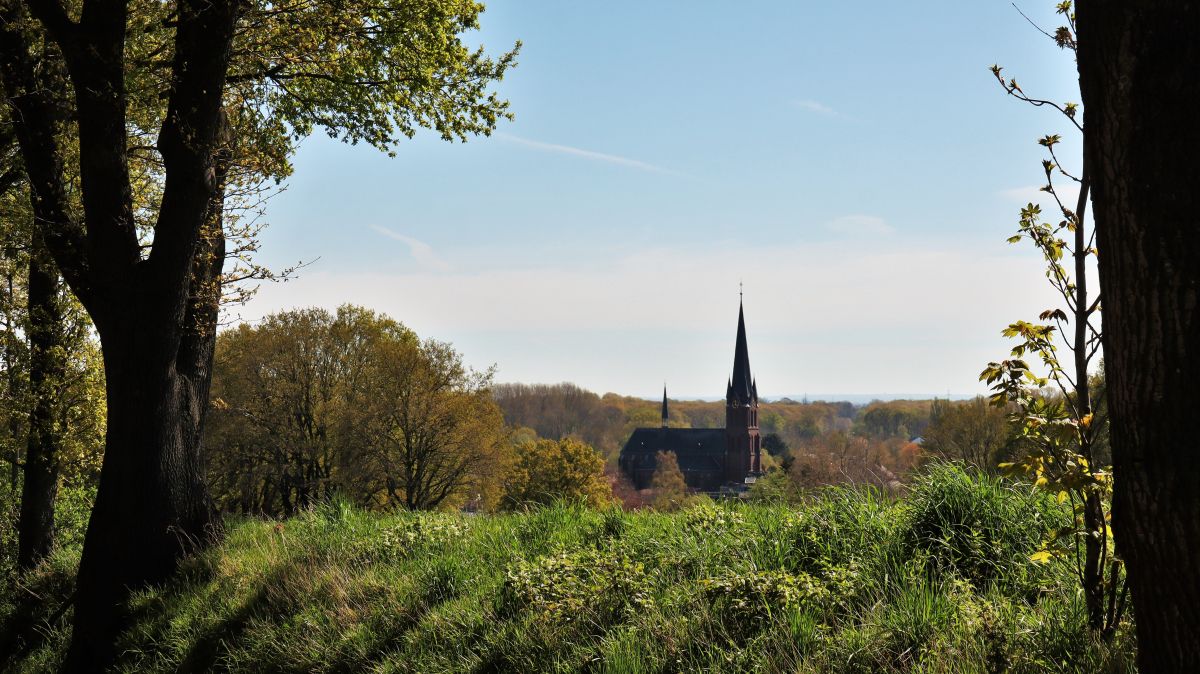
(155, 313)
(157, 394)
(152, 506)
(1137, 67)
(47, 367)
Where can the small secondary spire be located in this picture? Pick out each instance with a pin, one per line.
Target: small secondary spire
(664, 409)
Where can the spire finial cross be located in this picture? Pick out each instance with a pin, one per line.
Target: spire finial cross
(739, 289)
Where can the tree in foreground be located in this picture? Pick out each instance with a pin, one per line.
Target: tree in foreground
(48, 365)
(1137, 73)
(182, 88)
(1058, 418)
(670, 489)
(546, 471)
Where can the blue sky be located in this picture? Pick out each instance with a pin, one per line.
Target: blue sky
(853, 164)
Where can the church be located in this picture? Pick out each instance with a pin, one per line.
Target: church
(711, 459)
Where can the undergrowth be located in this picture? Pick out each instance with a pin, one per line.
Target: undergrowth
(937, 581)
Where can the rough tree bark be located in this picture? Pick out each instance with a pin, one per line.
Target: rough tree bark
(155, 314)
(1137, 68)
(47, 366)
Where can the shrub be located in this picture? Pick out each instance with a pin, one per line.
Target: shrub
(840, 527)
(980, 527)
(414, 531)
(586, 585)
(745, 600)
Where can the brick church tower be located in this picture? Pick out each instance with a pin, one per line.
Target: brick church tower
(713, 460)
(743, 445)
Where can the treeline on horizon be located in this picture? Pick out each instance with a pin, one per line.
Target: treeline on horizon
(311, 403)
(816, 443)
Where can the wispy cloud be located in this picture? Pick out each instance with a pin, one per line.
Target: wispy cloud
(421, 252)
(816, 106)
(586, 154)
(858, 224)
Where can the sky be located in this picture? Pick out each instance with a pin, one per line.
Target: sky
(854, 166)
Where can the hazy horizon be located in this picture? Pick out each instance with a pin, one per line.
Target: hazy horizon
(855, 398)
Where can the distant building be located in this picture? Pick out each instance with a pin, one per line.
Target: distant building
(710, 458)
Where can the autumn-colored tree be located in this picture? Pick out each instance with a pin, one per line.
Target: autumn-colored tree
(624, 491)
(973, 431)
(667, 483)
(892, 419)
(430, 434)
(545, 471)
(310, 402)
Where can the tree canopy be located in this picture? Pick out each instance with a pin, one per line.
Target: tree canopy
(311, 403)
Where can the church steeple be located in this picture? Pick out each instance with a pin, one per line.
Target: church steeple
(664, 410)
(741, 386)
(743, 445)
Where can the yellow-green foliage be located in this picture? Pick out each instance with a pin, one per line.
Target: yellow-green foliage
(545, 471)
(670, 489)
(848, 582)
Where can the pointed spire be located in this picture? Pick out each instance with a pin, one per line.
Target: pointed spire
(664, 411)
(741, 386)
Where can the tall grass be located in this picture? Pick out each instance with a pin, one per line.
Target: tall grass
(938, 581)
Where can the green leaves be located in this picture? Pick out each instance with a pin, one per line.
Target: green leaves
(1041, 556)
(371, 71)
(1052, 140)
(1057, 432)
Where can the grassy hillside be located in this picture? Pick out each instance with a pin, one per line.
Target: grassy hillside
(937, 582)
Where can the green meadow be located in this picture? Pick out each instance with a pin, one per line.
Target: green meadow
(937, 580)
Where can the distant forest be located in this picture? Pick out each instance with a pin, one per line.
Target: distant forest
(814, 443)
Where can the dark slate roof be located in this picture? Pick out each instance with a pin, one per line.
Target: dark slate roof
(741, 386)
(696, 448)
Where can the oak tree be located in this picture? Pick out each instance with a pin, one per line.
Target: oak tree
(311, 402)
(226, 74)
(432, 433)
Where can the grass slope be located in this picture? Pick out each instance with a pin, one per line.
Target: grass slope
(939, 581)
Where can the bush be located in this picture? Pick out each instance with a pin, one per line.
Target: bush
(980, 527)
(584, 586)
(838, 528)
(746, 600)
